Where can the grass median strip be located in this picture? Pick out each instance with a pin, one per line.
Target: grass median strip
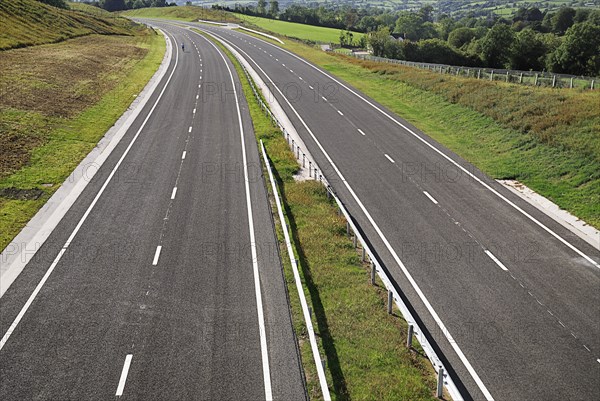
(363, 346)
(57, 109)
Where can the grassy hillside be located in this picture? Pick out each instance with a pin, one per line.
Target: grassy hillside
(58, 100)
(29, 22)
(182, 13)
(295, 30)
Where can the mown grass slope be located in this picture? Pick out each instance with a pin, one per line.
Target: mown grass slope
(182, 13)
(29, 22)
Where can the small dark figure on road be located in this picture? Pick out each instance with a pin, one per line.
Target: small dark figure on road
(183, 47)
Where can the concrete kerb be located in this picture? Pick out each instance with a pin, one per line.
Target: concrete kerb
(25, 245)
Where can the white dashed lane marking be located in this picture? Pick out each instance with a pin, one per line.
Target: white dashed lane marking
(389, 158)
(431, 198)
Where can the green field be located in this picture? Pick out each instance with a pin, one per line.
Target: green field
(294, 30)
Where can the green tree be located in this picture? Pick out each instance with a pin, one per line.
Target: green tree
(112, 5)
(496, 46)
(579, 54)
(563, 20)
(274, 7)
(262, 7)
(461, 36)
(378, 40)
(528, 51)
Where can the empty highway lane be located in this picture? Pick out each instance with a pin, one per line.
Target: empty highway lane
(164, 280)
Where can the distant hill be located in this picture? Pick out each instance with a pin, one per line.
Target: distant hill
(29, 22)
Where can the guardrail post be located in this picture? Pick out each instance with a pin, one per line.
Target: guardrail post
(492, 76)
(554, 81)
(355, 241)
(592, 85)
(521, 78)
(390, 304)
(309, 168)
(303, 160)
(372, 273)
(364, 254)
(348, 228)
(411, 331)
(571, 84)
(478, 74)
(440, 384)
(297, 152)
(535, 82)
(507, 76)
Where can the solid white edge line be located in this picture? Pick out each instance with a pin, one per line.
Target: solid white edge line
(340, 113)
(387, 244)
(299, 287)
(194, 112)
(156, 255)
(485, 185)
(361, 132)
(259, 305)
(124, 374)
(431, 198)
(389, 158)
(173, 193)
(496, 260)
(38, 288)
(190, 130)
(183, 155)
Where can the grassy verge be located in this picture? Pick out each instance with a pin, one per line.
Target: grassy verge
(362, 344)
(55, 110)
(295, 30)
(546, 138)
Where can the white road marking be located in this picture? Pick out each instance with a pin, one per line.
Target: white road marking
(495, 259)
(561, 323)
(311, 88)
(300, 78)
(598, 360)
(324, 98)
(361, 132)
(194, 112)
(183, 155)
(38, 288)
(472, 175)
(283, 64)
(276, 59)
(124, 374)
(156, 255)
(173, 193)
(389, 158)
(190, 130)
(387, 244)
(259, 303)
(292, 71)
(340, 113)
(585, 346)
(431, 198)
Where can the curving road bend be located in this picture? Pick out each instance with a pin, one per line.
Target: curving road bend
(510, 297)
(164, 280)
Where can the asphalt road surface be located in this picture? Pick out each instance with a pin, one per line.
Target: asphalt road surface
(165, 278)
(510, 297)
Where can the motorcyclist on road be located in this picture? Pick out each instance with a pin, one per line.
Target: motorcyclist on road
(183, 47)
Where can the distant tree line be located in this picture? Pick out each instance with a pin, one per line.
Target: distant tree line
(565, 41)
(119, 5)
